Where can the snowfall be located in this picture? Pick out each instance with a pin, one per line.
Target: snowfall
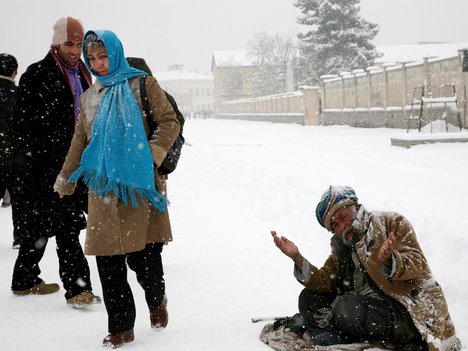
(236, 181)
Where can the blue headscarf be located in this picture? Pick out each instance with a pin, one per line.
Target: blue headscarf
(118, 157)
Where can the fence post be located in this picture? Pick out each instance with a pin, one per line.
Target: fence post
(428, 76)
(385, 79)
(311, 101)
(343, 101)
(461, 96)
(369, 90)
(404, 87)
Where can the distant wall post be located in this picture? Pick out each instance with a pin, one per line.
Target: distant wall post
(404, 89)
(463, 56)
(311, 100)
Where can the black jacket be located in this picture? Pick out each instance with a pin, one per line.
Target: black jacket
(8, 92)
(44, 122)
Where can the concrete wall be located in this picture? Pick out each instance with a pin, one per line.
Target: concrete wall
(382, 97)
(383, 118)
(298, 107)
(377, 97)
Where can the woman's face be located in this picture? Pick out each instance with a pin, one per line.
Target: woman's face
(97, 57)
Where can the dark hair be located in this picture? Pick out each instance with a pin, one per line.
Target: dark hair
(92, 41)
(8, 64)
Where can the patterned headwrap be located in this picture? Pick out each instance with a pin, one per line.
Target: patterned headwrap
(332, 200)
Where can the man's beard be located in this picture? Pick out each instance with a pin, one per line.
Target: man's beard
(355, 237)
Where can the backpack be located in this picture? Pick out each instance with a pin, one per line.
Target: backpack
(173, 155)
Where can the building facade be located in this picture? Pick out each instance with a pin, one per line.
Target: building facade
(231, 70)
(193, 91)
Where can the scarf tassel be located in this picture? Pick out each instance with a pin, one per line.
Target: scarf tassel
(94, 181)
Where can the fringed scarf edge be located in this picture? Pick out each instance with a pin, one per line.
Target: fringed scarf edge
(103, 186)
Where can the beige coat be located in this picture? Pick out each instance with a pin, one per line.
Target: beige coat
(412, 283)
(113, 228)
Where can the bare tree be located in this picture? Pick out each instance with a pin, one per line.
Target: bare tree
(274, 56)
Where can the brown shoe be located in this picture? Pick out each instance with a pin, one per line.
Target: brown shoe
(83, 299)
(159, 316)
(118, 339)
(40, 289)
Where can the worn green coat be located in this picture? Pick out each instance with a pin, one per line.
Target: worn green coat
(113, 228)
(412, 283)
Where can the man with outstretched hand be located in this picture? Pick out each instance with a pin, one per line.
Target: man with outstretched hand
(375, 286)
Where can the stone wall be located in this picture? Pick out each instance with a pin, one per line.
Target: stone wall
(297, 107)
(388, 96)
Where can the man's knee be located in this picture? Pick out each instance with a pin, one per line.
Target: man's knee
(362, 317)
(349, 315)
(310, 301)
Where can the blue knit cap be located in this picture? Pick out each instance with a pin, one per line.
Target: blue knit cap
(332, 200)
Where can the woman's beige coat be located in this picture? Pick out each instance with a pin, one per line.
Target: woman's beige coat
(113, 228)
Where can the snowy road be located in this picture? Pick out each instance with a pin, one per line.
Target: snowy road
(237, 181)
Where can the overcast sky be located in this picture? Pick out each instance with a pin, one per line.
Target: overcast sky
(187, 32)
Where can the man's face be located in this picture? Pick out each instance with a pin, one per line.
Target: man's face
(341, 223)
(70, 51)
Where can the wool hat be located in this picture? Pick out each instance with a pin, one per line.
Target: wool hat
(67, 29)
(332, 200)
(8, 64)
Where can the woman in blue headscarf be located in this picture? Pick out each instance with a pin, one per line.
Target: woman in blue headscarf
(114, 153)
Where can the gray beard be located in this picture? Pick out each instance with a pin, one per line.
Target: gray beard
(355, 237)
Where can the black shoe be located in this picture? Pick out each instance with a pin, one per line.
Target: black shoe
(118, 339)
(159, 316)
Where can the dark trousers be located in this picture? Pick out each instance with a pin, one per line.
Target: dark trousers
(73, 266)
(15, 197)
(117, 294)
(356, 317)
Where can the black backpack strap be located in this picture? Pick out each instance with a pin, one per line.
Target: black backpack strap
(144, 97)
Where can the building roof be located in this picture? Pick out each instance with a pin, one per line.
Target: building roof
(391, 53)
(416, 52)
(181, 75)
(232, 59)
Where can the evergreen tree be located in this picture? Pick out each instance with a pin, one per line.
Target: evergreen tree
(338, 39)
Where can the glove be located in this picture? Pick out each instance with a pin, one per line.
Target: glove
(324, 317)
(63, 187)
(296, 324)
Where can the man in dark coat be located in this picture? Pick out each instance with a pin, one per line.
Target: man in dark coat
(47, 110)
(8, 91)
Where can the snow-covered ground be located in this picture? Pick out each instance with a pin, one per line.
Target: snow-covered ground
(236, 181)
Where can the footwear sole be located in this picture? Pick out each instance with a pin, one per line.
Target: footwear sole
(82, 305)
(157, 329)
(123, 340)
(34, 291)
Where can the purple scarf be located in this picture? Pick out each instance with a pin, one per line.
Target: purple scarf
(73, 78)
(77, 89)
